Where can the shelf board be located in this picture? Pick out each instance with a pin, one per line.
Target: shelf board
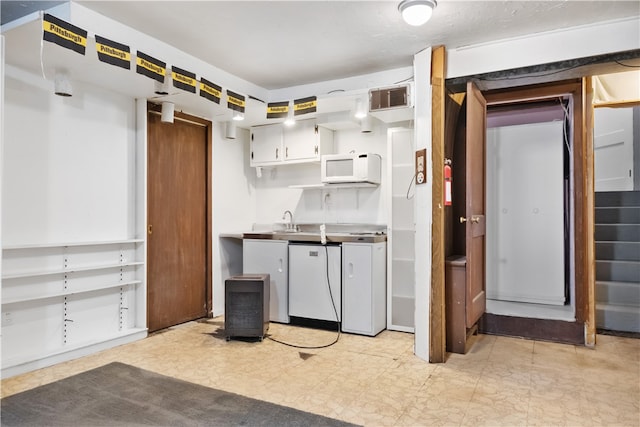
(332, 186)
(67, 293)
(24, 359)
(70, 270)
(73, 244)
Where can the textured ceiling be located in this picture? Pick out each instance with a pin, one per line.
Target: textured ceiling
(277, 44)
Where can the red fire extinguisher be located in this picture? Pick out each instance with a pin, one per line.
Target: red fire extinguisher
(447, 182)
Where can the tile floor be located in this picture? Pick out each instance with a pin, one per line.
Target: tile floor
(379, 382)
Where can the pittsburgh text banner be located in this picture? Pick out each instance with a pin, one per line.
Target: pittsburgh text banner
(150, 67)
(277, 110)
(210, 91)
(64, 34)
(183, 79)
(305, 105)
(113, 53)
(235, 102)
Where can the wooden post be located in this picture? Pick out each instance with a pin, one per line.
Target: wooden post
(437, 347)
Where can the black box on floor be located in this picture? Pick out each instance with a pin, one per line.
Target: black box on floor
(246, 306)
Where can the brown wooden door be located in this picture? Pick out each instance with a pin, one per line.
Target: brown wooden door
(475, 204)
(177, 222)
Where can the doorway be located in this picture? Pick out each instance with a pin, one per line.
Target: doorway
(178, 219)
(578, 326)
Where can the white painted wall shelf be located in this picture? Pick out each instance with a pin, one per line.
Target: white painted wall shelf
(333, 186)
(68, 298)
(70, 270)
(69, 245)
(68, 293)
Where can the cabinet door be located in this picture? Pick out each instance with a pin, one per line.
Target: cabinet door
(306, 142)
(266, 145)
(269, 256)
(301, 141)
(357, 290)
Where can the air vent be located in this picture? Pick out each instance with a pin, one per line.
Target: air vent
(390, 97)
(391, 104)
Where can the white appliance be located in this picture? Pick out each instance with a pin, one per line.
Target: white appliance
(310, 266)
(351, 168)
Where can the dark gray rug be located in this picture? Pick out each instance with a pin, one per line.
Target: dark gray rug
(121, 395)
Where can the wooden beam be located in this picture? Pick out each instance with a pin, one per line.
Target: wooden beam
(588, 204)
(437, 335)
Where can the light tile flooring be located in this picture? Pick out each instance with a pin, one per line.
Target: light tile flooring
(378, 381)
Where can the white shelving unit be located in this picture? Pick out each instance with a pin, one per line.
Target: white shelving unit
(69, 297)
(401, 233)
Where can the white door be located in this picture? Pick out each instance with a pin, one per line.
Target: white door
(524, 210)
(301, 140)
(613, 145)
(315, 282)
(270, 256)
(266, 145)
(356, 288)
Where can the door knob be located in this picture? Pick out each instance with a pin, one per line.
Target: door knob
(149, 228)
(463, 219)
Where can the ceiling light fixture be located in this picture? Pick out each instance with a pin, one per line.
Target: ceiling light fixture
(238, 115)
(360, 111)
(167, 112)
(230, 131)
(416, 12)
(62, 84)
(290, 120)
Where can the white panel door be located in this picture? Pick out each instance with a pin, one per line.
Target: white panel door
(525, 211)
(613, 145)
(357, 292)
(310, 268)
(270, 257)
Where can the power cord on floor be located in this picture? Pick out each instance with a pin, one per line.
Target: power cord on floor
(335, 311)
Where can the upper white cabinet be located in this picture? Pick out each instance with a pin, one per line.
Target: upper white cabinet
(266, 145)
(276, 144)
(306, 141)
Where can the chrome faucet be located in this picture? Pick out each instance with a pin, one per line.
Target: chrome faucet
(290, 225)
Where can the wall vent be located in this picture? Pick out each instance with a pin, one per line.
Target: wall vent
(391, 104)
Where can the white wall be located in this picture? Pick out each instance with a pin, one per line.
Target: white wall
(543, 48)
(68, 163)
(234, 206)
(345, 205)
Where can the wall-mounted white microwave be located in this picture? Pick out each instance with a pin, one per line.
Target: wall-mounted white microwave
(351, 168)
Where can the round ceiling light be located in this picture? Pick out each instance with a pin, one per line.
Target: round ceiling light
(416, 12)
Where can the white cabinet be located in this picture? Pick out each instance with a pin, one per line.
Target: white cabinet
(266, 145)
(301, 143)
(65, 298)
(306, 141)
(401, 234)
(364, 288)
(271, 257)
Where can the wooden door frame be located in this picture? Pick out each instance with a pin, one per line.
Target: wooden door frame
(157, 109)
(584, 242)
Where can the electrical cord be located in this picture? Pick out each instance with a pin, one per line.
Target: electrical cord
(335, 311)
(411, 184)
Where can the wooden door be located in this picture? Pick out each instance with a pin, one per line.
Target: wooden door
(177, 222)
(474, 218)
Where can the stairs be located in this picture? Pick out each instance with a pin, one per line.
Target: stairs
(617, 236)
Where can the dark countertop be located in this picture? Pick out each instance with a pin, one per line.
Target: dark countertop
(314, 237)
